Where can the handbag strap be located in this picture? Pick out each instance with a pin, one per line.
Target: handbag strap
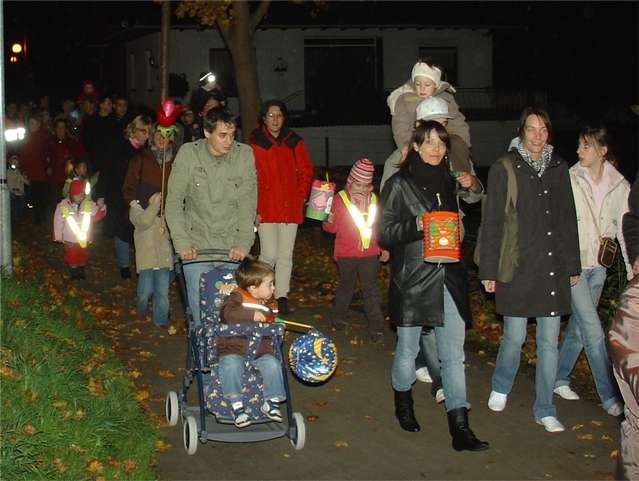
(511, 192)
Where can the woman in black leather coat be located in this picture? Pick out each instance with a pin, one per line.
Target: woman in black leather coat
(424, 294)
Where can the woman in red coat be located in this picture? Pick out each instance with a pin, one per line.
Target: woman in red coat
(284, 175)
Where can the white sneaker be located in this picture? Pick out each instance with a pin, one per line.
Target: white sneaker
(440, 397)
(551, 423)
(423, 375)
(566, 393)
(497, 401)
(616, 409)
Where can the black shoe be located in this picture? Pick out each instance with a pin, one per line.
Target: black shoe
(282, 306)
(125, 273)
(404, 411)
(74, 274)
(463, 438)
(81, 273)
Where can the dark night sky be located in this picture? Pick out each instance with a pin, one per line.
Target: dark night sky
(584, 52)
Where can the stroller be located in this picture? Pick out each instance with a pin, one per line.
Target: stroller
(211, 419)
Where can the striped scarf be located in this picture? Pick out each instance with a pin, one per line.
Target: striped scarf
(538, 165)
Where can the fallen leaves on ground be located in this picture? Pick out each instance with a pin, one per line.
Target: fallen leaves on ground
(341, 444)
(311, 418)
(94, 466)
(162, 445)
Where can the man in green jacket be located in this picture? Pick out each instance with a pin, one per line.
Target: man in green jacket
(211, 200)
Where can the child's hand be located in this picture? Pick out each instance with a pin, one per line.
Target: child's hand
(384, 256)
(100, 202)
(259, 317)
(467, 180)
(156, 199)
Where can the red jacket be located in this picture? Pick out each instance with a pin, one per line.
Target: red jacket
(284, 175)
(61, 152)
(33, 160)
(347, 239)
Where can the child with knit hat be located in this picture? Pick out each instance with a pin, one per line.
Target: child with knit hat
(425, 81)
(72, 226)
(353, 220)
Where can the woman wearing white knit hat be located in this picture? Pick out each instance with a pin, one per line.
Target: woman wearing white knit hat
(425, 81)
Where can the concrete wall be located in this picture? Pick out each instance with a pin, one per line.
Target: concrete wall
(346, 144)
(189, 54)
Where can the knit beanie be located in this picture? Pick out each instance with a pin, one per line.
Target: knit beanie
(77, 187)
(424, 70)
(362, 172)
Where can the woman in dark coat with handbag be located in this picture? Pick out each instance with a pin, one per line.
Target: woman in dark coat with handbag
(424, 294)
(117, 224)
(548, 260)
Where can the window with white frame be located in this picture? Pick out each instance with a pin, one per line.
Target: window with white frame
(343, 80)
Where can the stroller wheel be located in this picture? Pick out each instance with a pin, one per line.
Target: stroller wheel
(190, 435)
(172, 408)
(299, 439)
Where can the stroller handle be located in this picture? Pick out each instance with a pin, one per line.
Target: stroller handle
(212, 252)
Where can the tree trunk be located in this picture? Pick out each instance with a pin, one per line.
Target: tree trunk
(239, 40)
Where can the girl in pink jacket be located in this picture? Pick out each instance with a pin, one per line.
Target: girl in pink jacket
(353, 220)
(72, 226)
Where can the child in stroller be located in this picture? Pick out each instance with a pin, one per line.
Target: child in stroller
(251, 301)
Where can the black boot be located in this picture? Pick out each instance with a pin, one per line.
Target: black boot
(404, 411)
(73, 273)
(125, 273)
(463, 437)
(81, 273)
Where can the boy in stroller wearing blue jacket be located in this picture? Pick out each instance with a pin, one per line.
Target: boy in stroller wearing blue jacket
(251, 301)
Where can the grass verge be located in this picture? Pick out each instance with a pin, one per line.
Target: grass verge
(66, 406)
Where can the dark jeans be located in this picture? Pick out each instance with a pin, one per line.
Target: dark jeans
(367, 268)
(39, 200)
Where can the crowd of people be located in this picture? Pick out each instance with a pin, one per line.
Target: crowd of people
(548, 233)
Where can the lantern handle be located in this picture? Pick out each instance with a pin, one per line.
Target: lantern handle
(291, 323)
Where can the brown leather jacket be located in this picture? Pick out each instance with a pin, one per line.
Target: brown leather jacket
(235, 310)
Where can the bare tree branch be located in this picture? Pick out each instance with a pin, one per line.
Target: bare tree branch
(258, 14)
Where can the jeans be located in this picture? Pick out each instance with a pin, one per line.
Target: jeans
(232, 370)
(154, 283)
(121, 252)
(449, 339)
(509, 356)
(584, 331)
(276, 248)
(429, 358)
(192, 273)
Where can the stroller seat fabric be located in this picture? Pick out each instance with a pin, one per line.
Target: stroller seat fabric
(215, 286)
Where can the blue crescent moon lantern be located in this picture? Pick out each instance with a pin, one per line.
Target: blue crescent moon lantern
(313, 357)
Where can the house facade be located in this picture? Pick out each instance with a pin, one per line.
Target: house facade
(335, 80)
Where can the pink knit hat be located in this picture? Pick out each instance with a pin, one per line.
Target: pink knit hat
(362, 172)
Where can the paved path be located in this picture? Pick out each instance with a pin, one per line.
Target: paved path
(351, 430)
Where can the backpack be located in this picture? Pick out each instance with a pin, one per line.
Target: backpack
(509, 250)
